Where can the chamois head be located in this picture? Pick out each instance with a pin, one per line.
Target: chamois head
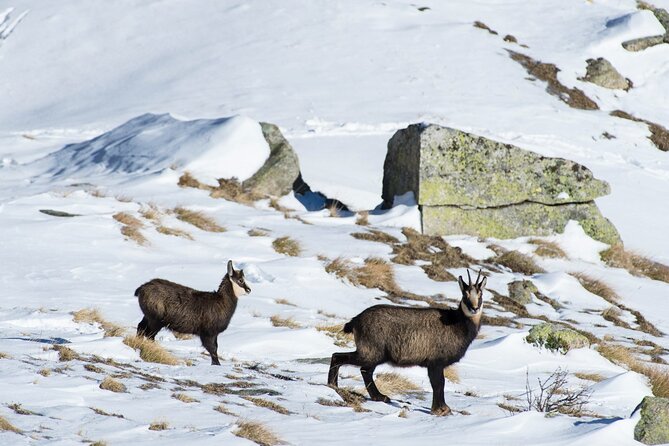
(472, 295)
(239, 286)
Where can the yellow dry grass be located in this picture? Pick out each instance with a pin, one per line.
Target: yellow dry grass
(5, 425)
(258, 232)
(131, 227)
(174, 232)
(113, 385)
(184, 398)
(151, 212)
(594, 377)
(340, 338)
(224, 410)
(256, 432)
(374, 235)
(127, 219)
(287, 246)
(93, 316)
(548, 249)
(4, 355)
(362, 219)
(658, 375)
(618, 257)
(45, 372)
(150, 351)
(519, 263)
(65, 353)
(271, 405)
(279, 321)
(451, 374)
(159, 426)
(198, 219)
(392, 383)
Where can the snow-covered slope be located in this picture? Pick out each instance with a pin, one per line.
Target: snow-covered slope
(105, 104)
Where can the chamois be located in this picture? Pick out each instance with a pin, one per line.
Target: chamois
(403, 336)
(183, 309)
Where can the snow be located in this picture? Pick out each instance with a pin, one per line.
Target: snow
(106, 104)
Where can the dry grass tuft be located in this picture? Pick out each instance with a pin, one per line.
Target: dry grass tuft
(594, 377)
(352, 398)
(174, 232)
(261, 402)
(4, 355)
(91, 316)
(282, 301)
(330, 403)
(188, 180)
(198, 219)
(182, 336)
(547, 72)
(519, 263)
(548, 249)
(483, 26)
(340, 338)
(150, 351)
(17, 408)
(395, 384)
(279, 321)
(612, 314)
(131, 227)
(658, 376)
(151, 212)
(231, 189)
(374, 273)
(618, 257)
(65, 353)
(7, 426)
(258, 232)
(659, 135)
(45, 372)
(127, 219)
(224, 410)
(451, 374)
(287, 246)
(184, 398)
(99, 443)
(362, 218)
(159, 426)
(257, 433)
(93, 368)
(373, 235)
(659, 379)
(112, 385)
(106, 414)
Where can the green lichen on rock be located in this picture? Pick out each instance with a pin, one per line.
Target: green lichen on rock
(281, 169)
(526, 219)
(457, 168)
(521, 291)
(653, 426)
(556, 337)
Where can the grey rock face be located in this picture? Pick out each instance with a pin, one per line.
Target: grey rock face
(521, 291)
(281, 169)
(467, 184)
(601, 72)
(642, 43)
(653, 426)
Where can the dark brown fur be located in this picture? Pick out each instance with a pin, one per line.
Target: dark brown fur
(403, 336)
(185, 310)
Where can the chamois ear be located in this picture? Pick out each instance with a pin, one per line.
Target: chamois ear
(230, 268)
(463, 286)
(483, 283)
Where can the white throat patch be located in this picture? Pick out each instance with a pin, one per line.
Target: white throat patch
(239, 291)
(469, 313)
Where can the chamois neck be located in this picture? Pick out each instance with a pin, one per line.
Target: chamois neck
(226, 288)
(474, 317)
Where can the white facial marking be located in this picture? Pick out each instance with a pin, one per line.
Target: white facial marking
(239, 291)
(468, 312)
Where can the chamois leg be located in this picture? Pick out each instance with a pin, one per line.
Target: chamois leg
(368, 377)
(152, 328)
(210, 342)
(142, 327)
(436, 374)
(339, 359)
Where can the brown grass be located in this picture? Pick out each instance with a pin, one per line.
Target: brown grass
(256, 432)
(93, 368)
(547, 72)
(340, 338)
(4, 355)
(483, 26)
(548, 249)
(659, 135)
(65, 353)
(127, 219)
(519, 263)
(182, 336)
(150, 351)
(188, 180)
(231, 189)
(658, 376)
(224, 410)
(7, 426)
(373, 235)
(594, 377)
(17, 408)
(618, 257)
(174, 232)
(45, 372)
(261, 402)
(99, 443)
(509, 407)
(198, 219)
(612, 314)
(159, 426)
(106, 414)
(352, 398)
(93, 316)
(287, 246)
(131, 227)
(451, 374)
(113, 385)
(362, 219)
(184, 398)
(258, 232)
(151, 212)
(395, 384)
(279, 321)
(282, 301)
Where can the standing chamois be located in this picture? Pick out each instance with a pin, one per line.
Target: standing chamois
(403, 336)
(183, 309)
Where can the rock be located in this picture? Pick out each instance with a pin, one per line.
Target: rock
(556, 337)
(281, 169)
(601, 72)
(467, 184)
(653, 426)
(521, 291)
(642, 43)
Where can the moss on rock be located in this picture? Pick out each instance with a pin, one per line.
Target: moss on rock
(653, 426)
(556, 337)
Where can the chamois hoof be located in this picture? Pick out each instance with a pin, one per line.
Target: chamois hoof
(382, 398)
(441, 411)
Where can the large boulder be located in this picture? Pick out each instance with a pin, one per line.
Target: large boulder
(653, 426)
(601, 72)
(467, 184)
(522, 291)
(556, 337)
(281, 169)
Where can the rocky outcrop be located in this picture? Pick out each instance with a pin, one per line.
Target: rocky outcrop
(653, 426)
(556, 337)
(601, 72)
(642, 43)
(467, 184)
(277, 176)
(522, 291)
